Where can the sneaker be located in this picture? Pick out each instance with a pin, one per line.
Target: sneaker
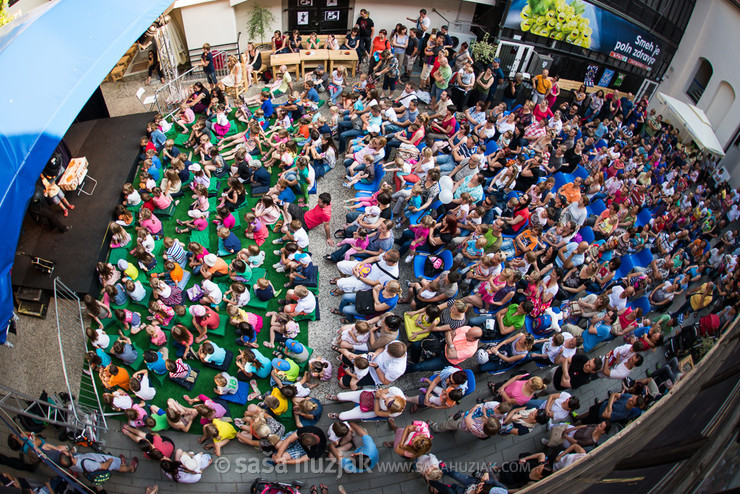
(545, 441)
(276, 252)
(280, 269)
(277, 241)
(409, 258)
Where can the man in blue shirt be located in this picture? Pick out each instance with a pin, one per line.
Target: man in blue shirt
(363, 458)
(620, 407)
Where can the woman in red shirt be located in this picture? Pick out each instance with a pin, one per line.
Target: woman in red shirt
(542, 111)
(380, 43)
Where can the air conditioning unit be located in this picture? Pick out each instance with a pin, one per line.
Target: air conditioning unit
(538, 63)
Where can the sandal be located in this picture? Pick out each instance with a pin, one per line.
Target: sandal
(336, 348)
(277, 226)
(387, 444)
(331, 397)
(337, 292)
(492, 387)
(414, 408)
(336, 312)
(324, 489)
(314, 490)
(344, 320)
(333, 416)
(334, 281)
(134, 464)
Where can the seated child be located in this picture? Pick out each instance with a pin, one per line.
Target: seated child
(353, 335)
(299, 301)
(174, 251)
(119, 236)
(237, 295)
(240, 271)
(131, 321)
(264, 290)
(135, 290)
(256, 229)
(228, 241)
(225, 384)
(209, 352)
(156, 361)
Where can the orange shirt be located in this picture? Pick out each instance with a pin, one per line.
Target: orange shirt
(121, 379)
(379, 45)
(220, 267)
(570, 192)
(465, 348)
(177, 273)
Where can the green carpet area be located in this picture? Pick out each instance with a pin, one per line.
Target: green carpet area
(204, 384)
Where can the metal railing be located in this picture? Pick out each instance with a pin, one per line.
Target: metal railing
(85, 405)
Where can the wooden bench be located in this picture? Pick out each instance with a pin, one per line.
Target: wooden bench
(568, 85)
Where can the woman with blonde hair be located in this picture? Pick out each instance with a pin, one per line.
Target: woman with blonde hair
(383, 403)
(234, 77)
(518, 390)
(412, 441)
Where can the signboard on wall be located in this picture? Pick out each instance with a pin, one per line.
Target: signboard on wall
(582, 24)
(606, 77)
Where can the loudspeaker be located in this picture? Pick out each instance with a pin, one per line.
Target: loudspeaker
(538, 63)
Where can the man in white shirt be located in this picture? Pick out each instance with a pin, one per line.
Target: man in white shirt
(422, 22)
(388, 364)
(621, 370)
(357, 277)
(618, 297)
(577, 212)
(559, 406)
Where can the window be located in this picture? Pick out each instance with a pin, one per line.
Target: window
(701, 79)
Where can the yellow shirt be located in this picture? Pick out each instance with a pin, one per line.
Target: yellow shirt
(225, 429)
(283, 407)
(542, 84)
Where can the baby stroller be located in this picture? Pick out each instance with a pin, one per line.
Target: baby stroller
(262, 486)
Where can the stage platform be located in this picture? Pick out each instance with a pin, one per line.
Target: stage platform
(111, 146)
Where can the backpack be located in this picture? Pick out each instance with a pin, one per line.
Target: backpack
(542, 324)
(433, 266)
(708, 325)
(97, 477)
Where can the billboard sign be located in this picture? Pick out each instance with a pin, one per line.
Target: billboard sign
(582, 24)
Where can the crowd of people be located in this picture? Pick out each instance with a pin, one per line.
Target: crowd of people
(537, 224)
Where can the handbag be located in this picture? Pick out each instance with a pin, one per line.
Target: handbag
(431, 347)
(433, 266)
(365, 303)
(367, 401)
(194, 293)
(97, 477)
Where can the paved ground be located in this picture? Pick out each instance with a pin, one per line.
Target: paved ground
(241, 465)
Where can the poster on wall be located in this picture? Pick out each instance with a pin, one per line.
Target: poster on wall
(305, 3)
(582, 24)
(606, 78)
(620, 79)
(302, 19)
(331, 15)
(588, 79)
(331, 3)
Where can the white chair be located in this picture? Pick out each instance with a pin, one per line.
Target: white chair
(148, 101)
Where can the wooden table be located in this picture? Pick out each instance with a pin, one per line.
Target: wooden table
(75, 175)
(345, 58)
(289, 59)
(313, 58)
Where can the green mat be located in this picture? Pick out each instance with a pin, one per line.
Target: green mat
(208, 238)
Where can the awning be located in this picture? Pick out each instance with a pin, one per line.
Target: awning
(692, 121)
(53, 58)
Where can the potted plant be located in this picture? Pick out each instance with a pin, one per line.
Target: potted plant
(259, 22)
(483, 52)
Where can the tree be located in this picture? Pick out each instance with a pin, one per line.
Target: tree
(259, 22)
(4, 16)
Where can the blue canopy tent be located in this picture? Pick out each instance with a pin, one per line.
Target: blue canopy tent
(53, 58)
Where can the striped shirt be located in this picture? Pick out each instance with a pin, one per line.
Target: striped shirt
(176, 253)
(181, 371)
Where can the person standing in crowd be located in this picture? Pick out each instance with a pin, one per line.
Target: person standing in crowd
(365, 30)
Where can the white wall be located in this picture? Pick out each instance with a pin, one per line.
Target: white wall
(387, 13)
(208, 22)
(25, 6)
(712, 33)
(242, 12)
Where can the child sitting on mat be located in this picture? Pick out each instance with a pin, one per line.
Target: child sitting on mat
(240, 271)
(128, 270)
(264, 290)
(146, 182)
(199, 177)
(256, 257)
(160, 312)
(156, 335)
(228, 241)
(161, 199)
(199, 206)
(234, 195)
(225, 384)
(131, 321)
(135, 290)
(156, 361)
(131, 195)
(147, 262)
(120, 237)
(174, 274)
(145, 240)
(124, 349)
(149, 222)
(299, 302)
(98, 338)
(287, 255)
(237, 295)
(276, 403)
(196, 255)
(211, 353)
(123, 216)
(116, 294)
(224, 218)
(256, 229)
(198, 223)
(222, 125)
(282, 327)
(185, 117)
(180, 370)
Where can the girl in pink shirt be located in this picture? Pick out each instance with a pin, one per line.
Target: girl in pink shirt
(149, 222)
(160, 199)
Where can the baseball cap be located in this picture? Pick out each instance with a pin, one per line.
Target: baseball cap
(293, 346)
(280, 364)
